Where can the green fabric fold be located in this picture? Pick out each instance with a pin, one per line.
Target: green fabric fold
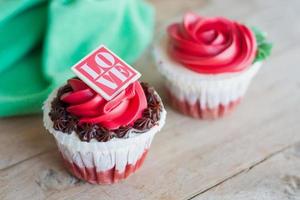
(62, 32)
(22, 25)
(23, 87)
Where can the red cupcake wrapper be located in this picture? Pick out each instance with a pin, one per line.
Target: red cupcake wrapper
(110, 176)
(195, 111)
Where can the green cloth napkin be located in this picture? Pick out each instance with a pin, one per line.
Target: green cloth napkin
(41, 39)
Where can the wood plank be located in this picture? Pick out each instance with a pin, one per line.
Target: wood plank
(168, 9)
(22, 138)
(277, 178)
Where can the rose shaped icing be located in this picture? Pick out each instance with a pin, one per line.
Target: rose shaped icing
(211, 45)
(92, 108)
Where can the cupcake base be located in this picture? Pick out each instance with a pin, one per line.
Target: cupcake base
(194, 110)
(110, 176)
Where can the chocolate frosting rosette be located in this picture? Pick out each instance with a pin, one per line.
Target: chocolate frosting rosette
(208, 63)
(103, 141)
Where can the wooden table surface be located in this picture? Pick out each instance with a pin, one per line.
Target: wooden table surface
(252, 154)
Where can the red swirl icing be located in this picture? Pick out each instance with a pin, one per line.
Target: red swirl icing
(92, 108)
(212, 45)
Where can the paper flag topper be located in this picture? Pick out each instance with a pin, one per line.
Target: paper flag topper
(105, 72)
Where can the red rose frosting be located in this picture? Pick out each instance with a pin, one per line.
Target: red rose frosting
(212, 45)
(92, 108)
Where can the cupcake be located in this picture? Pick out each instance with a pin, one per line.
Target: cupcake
(208, 63)
(103, 142)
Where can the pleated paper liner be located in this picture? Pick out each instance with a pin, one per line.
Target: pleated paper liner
(194, 109)
(110, 176)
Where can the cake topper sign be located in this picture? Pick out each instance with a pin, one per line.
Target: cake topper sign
(105, 72)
